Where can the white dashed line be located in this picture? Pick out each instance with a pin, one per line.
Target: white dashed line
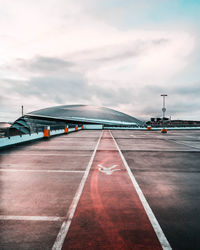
(42, 171)
(31, 218)
(46, 154)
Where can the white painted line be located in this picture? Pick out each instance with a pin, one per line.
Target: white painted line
(31, 218)
(192, 137)
(41, 171)
(156, 150)
(181, 143)
(152, 150)
(66, 224)
(45, 154)
(16, 154)
(163, 240)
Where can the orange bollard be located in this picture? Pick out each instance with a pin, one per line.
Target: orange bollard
(76, 128)
(66, 130)
(148, 128)
(47, 132)
(164, 130)
(82, 127)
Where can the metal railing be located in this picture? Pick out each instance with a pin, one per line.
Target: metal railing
(22, 130)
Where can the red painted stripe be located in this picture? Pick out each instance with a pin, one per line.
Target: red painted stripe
(110, 214)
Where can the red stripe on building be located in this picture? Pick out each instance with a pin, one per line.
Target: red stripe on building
(110, 214)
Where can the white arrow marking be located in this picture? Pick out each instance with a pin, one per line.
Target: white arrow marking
(109, 170)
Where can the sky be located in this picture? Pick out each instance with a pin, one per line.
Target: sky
(120, 54)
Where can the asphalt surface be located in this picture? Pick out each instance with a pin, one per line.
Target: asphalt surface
(167, 168)
(110, 214)
(39, 183)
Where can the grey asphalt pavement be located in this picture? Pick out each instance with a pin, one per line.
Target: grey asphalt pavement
(167, 169)
(38, 182)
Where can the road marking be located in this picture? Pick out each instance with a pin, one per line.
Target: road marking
(31, 218)
(46, 154)
(108, 171)
(164, 150)
(181, 143)
(66, 224)
(41, 171)
(161, 237)
(136, 150)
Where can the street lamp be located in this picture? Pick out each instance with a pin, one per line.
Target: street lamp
(163, 110)
(22, 110)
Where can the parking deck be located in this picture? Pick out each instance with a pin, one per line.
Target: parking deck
(77, 191)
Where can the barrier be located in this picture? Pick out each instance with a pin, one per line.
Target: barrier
(164, 130)
(148, 128)
(47, 132)
(93, 126)
(12, 140)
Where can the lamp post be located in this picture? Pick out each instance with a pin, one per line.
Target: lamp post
(163, 110)
(22, 110)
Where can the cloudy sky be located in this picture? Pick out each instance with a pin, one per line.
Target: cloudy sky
(120, 54)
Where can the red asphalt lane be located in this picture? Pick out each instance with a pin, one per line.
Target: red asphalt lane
(110, 214)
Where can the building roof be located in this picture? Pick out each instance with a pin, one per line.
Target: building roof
(86, 114)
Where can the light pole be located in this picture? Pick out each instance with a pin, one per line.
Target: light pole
(22, 110)
(163, 110)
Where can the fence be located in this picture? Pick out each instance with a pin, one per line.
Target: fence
(18, 136)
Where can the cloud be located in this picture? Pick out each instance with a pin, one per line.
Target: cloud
(67, 52)
(68, 88)
(45, 64)
(123, 51)
(182, 101)
(191, 90)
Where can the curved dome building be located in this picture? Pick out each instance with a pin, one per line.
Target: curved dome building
(75, 114)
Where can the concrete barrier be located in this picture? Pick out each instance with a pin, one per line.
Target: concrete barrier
(57, 132)
(4, 142)
(12, 140)
(93, 126)
(154, 129)
(9, 141)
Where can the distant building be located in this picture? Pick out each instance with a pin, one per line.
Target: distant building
(157, 122)
(60, 116)
(4, 126)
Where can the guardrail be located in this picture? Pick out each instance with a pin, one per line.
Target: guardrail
(152, 128)
(42, 132)
(48, 131)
